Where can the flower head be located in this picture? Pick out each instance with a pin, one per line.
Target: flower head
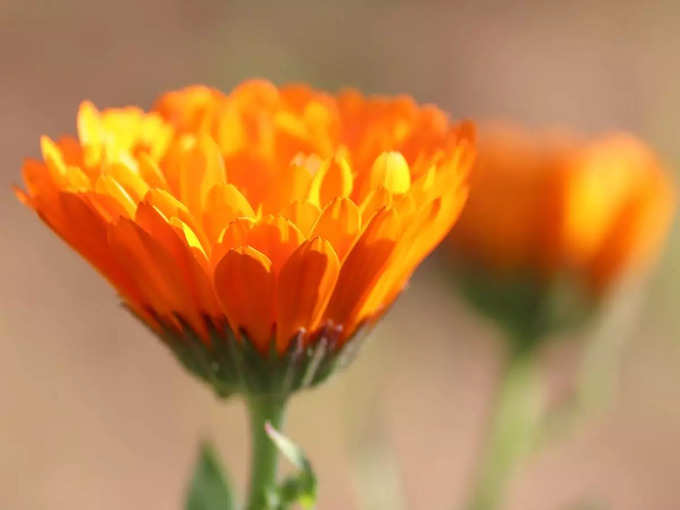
(550, 206)
(281, 218)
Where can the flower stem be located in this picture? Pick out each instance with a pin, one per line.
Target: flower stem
(512, 431)
(264, 460)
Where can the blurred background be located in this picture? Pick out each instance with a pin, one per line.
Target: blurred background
(97, 414)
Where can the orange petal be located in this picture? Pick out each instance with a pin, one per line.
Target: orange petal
(38, 179)
(291, 184)
(304, 288)
(340, 223)
(332, 181)
(170, 207)
(245, 285)
(303, 214)
(374, 202)
(362, 269)
(107, 185)
(86, 231)
(224, 204)
(183, 284)
(129, 179)
(235, 235)
(427, 230)
(202, 169)
(150, 172)
(276, 237)
(190, 262)
(129, 251)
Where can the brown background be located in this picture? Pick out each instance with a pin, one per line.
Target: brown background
(96, 414)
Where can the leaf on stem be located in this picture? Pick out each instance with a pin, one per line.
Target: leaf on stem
(209, 489)
(300, 487)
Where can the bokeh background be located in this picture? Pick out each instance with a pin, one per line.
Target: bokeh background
(94, 411)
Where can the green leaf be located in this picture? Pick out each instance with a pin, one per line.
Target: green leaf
(300, 487)
(209, 489)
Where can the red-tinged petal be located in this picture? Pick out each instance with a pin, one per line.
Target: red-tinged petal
(245, 285)
(304, 288)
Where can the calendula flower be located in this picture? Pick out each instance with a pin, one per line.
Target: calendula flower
(554, 224)
(545, 208)
(261, 228)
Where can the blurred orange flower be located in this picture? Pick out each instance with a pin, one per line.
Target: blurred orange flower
(275, 211)
(549, 203)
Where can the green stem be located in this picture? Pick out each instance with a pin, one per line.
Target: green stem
(512, 431)
(264, 461)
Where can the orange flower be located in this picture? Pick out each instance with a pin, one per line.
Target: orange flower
(548, 204)
(280, 212)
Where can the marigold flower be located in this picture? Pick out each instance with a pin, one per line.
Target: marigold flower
(286, 217)
(553, 223)
(550, 204)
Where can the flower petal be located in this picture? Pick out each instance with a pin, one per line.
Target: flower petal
(361, 270)
(305, 286)
(245, 285)
(340, 223)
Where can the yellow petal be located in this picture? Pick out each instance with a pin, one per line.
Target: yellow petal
(189, 235)
(391, 170)
(90, 133)
(53, 159)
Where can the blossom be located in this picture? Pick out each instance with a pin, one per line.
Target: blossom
(550, 204)
(279, 216)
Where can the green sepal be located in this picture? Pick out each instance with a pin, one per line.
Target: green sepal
(526, 308)
(209, 488)
(233, 365)
(301, 487)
